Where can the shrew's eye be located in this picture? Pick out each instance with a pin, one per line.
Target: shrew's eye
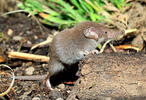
(105, 32)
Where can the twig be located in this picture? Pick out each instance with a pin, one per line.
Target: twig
(104, 45)
(16, 11)
(12, 82)
(27, 56)
(46, 42)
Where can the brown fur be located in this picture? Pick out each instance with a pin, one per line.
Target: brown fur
(69, 46)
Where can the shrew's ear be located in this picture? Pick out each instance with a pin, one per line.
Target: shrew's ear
(91, 33)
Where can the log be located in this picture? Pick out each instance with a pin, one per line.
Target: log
(111, 75)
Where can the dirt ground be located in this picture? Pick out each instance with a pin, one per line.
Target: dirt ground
(19, 33)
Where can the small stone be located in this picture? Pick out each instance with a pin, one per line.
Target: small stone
(59, 99)
(17, 38)
(57, 89)
(34, 86)
(28, 32)
(28, 64)
(29, 71)
(44, 65)
(10, 32)
(68, 91)
(36, 98)
(35, 37)
(28, 42)
(61, 86)
(27, 92)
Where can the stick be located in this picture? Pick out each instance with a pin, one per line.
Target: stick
(27, 56)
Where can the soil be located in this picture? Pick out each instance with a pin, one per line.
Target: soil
(19, 33)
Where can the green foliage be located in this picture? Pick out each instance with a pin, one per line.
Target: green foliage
(117, 3)
(63, 13)
(32, 6)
